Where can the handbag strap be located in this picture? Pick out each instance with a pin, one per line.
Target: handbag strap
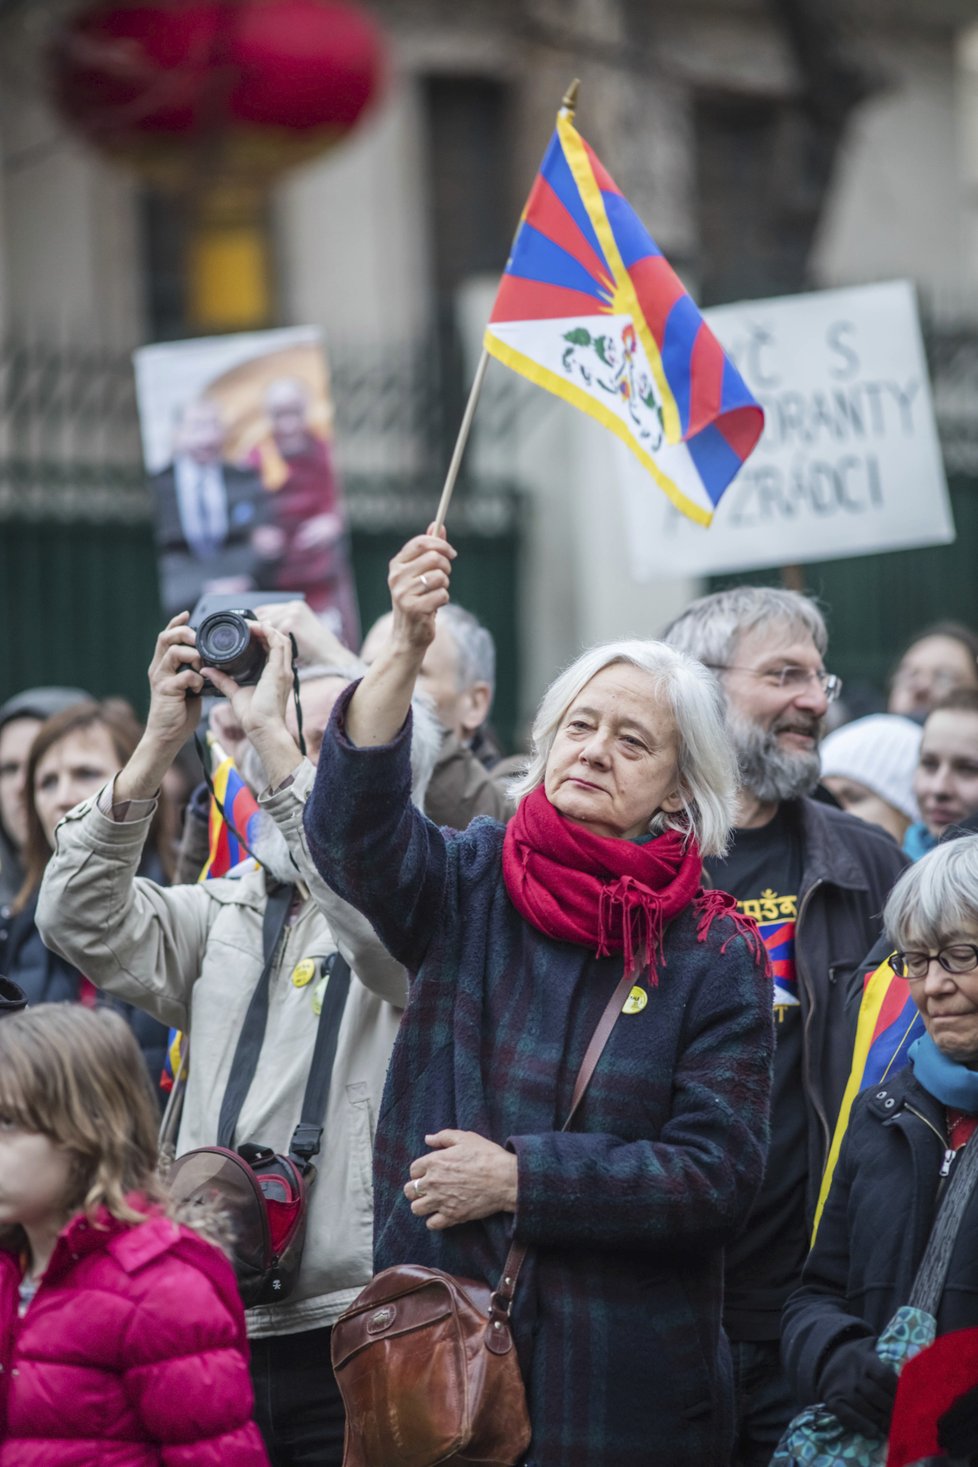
(928, 1286)
(498, 1337)
(599, 1039)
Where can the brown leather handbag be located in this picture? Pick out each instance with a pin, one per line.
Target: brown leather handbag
(426, 1362)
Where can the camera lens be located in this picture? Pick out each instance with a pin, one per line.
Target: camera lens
(222, 638)
(224, 641)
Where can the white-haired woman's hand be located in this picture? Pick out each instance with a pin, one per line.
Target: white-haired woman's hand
(463, 1178)
(419, 577)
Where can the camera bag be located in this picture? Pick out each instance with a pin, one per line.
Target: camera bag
(260, 1193)
(12, 997)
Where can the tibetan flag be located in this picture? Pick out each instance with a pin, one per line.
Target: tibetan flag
(225, 851)
(888, 1024)
(176, 1051)
(241, 808)
(589, 308)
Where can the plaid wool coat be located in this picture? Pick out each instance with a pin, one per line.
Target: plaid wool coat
(617, 1313)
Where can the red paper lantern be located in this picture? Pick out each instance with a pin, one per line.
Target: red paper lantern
(230, 88)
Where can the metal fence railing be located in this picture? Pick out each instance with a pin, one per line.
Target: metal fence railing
(70, 445)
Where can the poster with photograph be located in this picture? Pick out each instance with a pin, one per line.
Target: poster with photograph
(237, 442)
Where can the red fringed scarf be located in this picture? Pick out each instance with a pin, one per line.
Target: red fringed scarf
(610, 895)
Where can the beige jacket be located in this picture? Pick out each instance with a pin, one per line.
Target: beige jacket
(461, 788)
(191, 956)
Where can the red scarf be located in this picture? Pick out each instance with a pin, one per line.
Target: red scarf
(610, 895)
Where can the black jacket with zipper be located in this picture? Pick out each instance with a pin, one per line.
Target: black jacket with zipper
(874, 1230)
(848, 870)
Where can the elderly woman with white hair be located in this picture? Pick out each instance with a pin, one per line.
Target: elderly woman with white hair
(904, 1140)
(517, 937)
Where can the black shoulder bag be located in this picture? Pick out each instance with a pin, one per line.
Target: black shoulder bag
(262, 1194)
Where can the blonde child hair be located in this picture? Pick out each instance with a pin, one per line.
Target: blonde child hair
(77, 1076)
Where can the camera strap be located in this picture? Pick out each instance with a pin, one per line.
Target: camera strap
(205, 762)
(307, 1136)
(295, 693)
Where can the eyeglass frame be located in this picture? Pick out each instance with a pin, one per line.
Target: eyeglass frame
(829, 682)
(898, 956)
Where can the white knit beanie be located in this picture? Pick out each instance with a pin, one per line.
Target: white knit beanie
(879, 752)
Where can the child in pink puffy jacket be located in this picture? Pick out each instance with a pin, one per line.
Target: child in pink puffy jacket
(122, 1337)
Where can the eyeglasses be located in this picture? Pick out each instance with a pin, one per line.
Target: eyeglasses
(790, 679)
(959, 957)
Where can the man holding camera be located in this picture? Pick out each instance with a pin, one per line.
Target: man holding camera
(192, 956)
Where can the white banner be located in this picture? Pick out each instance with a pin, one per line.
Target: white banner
(849, 462)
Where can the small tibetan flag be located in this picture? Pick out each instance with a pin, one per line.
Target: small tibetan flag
(888, 1023)
(589, 308)
(241, 809)
(176, 1042)
(225, 852)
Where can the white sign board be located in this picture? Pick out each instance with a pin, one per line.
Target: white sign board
(849, 461)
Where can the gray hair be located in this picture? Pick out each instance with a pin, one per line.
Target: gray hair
(707, 767)
(711, 627)
(473, 641)
(426, 734)
(937, 898)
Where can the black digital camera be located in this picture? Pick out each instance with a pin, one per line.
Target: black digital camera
(224, 641)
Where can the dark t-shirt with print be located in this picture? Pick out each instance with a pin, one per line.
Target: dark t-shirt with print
(763, 871)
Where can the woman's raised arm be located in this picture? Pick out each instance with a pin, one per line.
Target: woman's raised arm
(419, 577)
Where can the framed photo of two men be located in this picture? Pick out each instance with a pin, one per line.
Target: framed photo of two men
(237, 443)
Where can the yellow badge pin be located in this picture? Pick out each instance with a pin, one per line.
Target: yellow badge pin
(636, 1001)
(304, 972)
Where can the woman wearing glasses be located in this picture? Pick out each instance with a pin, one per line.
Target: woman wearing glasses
(902, 1143)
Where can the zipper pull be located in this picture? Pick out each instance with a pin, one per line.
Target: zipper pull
(949, 1156)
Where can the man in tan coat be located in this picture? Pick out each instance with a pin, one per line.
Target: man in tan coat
(192, 956)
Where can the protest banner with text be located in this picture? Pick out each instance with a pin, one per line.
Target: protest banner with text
(849, 461)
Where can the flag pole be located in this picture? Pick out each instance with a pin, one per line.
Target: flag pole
(568, 105)
(460, 442)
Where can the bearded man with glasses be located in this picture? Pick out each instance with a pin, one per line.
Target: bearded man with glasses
(815, 879)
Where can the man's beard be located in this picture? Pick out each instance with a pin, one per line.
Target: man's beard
(769, 772)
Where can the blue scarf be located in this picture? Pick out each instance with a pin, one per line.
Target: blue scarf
(918, 841)
(951, 1083)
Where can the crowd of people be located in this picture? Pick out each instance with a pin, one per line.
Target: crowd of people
(683, 829)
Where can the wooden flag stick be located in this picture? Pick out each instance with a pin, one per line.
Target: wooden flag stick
(568, 105)
(460, 442)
